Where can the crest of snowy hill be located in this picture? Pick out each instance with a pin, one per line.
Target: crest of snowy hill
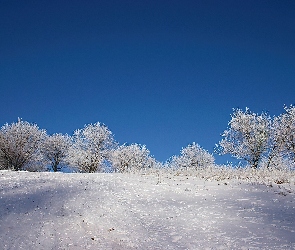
(150, 210)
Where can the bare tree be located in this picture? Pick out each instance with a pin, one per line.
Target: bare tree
(19, 144)
(91, 146)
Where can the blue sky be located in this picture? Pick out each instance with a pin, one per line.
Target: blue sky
(159, 73)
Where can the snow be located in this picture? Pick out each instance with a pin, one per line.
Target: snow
(134, 211)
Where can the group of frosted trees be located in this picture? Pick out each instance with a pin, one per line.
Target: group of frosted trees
(258, 139)
(23, 146)
(261, 140)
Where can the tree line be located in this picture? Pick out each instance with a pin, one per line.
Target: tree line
(258, 139)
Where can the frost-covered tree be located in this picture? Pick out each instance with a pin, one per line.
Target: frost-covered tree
(283, 138)
(91, 146)
(287, 130)
(247, 137)
(192, 156)
(20, 145)
(132, 157)
(55, 149)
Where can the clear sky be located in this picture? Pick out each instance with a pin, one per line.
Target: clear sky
(159, 73)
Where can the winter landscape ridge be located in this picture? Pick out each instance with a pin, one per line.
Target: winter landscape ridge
(147, 125)
(45, 210)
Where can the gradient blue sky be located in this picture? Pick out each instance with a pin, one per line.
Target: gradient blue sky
(159, 73)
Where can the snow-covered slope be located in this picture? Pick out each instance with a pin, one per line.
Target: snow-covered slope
(132, 211)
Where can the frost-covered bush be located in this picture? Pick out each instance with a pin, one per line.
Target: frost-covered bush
(192, 157)
(132, 157)
(91, 146)
(227, 173)
(278, 161)
(20, 145)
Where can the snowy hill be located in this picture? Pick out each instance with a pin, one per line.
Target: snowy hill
(133, 211)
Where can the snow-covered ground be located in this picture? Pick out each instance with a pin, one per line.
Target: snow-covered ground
(133, 211)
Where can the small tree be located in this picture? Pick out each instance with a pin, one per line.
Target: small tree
(91, 146)
(247, 137)
(55, 149)
(133, 157)
(192, 156)
(19, 144)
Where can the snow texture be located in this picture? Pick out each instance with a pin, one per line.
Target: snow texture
(133, 211)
